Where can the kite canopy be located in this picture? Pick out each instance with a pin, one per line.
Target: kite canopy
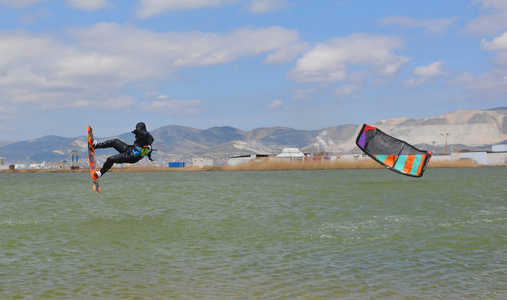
(391, 152)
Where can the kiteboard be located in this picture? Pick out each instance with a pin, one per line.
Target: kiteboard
(392, 153)
(92, 160)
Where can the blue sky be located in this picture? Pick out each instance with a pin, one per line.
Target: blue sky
(66, 64)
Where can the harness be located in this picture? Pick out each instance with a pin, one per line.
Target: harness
(140, 152)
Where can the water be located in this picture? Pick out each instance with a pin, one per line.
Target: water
(334, 234)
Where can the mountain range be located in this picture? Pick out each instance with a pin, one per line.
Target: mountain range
(462, 129)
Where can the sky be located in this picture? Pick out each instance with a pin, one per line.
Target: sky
(66, 64)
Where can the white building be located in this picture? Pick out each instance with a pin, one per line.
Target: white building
(242, 159)
(37, 166)
(292, 154)
(499, 148)
(497, 159)
(479, 157)
(202, 162)
(3, 166)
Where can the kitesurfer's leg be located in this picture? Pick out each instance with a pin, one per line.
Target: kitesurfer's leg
(121, 158)
(117, 144)
(111, 160)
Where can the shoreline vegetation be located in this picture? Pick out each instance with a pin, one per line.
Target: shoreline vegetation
(263, 165)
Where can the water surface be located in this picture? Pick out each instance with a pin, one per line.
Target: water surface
(257, 235)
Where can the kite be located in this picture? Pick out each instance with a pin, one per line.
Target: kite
(391, 152)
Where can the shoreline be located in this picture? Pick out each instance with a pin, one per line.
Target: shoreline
(261, 166)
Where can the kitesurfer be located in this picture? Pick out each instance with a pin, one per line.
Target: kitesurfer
(127, 153)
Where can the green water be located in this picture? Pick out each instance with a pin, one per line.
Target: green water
(334, 234)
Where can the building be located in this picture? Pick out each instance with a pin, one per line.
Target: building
(320, 157)
(37, 166)
(479, 157)
(354, 157)
(498, 155)
(499, 148)
(203, 162)
(177, 164)
(483, 158)
(3, 166)
(241, 159)
(291, 154)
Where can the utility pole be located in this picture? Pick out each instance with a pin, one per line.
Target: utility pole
(445, 136)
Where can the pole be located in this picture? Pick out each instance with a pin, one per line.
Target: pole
(445, 136)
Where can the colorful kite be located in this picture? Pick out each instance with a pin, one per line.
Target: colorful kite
(391, 152)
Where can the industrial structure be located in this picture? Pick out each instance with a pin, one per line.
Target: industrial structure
(3, 166)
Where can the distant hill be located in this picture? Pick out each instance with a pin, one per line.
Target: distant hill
(470, 129)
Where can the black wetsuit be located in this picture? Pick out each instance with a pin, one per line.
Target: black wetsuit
(127, 153)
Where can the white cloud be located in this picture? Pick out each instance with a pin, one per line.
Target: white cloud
(150, 8)
(432, 70)
(347, 89)
(424, 73)
(304, 94)
(275, 104)
(330, 62)
(27, 71)
(165, 105)
(194, 48)
(282, 46)
(499, 43)
(265, 6)
(493, 20)
(20, 3)
(501, 59)
(97, 64)
(109, 103)
(488, 24)
(492, 82)
(9, 113)
(88, 4)
(413, 82)
(34, 16)
(492, 4)
(432, 26)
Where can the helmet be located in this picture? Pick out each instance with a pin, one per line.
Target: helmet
(140, 126)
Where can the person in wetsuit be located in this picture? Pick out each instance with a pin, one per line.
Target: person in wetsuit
(127, 153)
